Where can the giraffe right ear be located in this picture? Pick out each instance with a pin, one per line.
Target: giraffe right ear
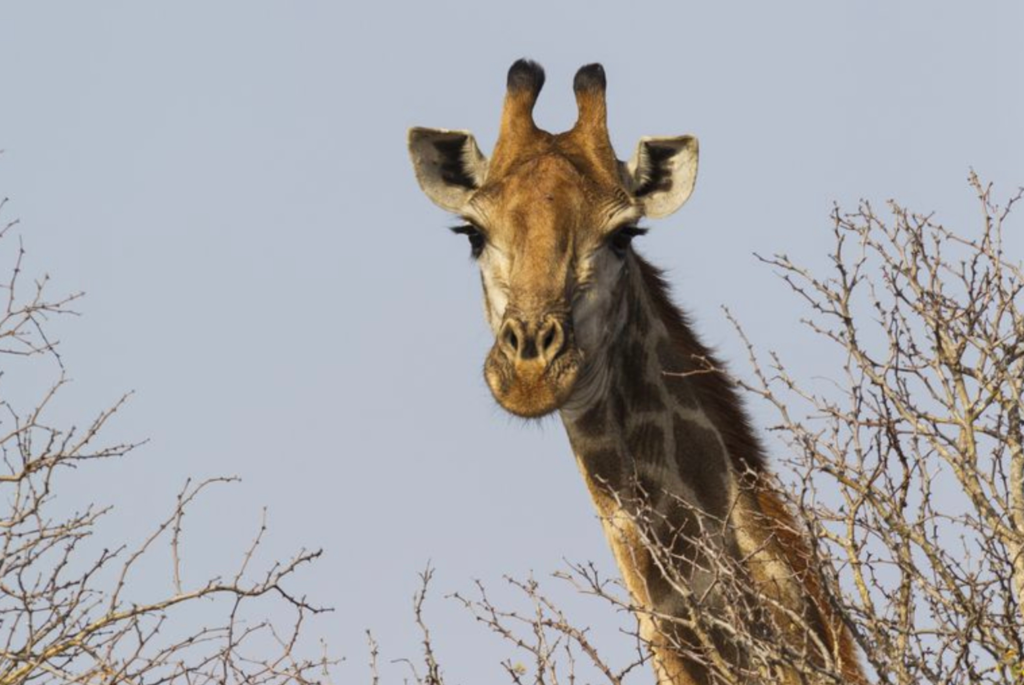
(449, 165)
(662, 173)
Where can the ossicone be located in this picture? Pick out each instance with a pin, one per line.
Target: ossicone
(525, 79)
(590, 85)
(525, 76)
(590, 77)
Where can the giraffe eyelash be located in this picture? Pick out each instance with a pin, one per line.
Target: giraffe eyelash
(631, 231)
(477, 239)
(620, 238)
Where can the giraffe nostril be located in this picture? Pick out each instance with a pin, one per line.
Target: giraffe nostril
(549, 338)
(552, 340)
(512, 339)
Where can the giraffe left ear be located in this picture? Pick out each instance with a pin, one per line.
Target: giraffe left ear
(662, 173)
(449, 165)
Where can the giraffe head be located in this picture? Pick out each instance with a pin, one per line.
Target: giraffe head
(549, 219)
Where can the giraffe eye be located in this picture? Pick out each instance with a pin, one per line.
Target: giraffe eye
(477, 240)
(620, 240)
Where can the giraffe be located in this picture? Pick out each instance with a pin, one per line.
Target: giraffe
(584, 326)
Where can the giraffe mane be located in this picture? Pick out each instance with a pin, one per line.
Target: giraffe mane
(721, 400)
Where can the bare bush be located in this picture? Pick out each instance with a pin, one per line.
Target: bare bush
(908, 475)
(69, 608)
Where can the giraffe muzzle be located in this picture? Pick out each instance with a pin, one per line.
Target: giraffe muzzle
(533, 365)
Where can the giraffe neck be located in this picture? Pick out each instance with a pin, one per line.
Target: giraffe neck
(639, 422)
(644, 431)
(659, 434)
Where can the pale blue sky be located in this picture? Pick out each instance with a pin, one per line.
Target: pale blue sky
(229, 183)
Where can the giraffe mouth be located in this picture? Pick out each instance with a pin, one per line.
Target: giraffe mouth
(532, 389)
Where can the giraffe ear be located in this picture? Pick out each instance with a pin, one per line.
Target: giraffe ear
(449, 165)
(662, 173)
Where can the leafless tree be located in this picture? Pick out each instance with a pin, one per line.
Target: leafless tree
(69, 608)
(903, 473)
(908, 474)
